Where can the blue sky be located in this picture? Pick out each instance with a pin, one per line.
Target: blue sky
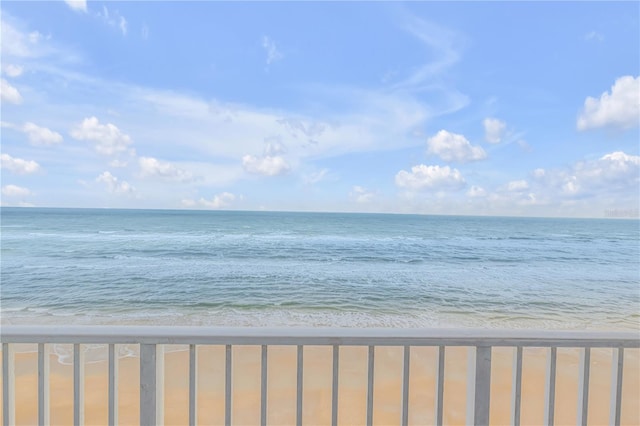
(494, 108)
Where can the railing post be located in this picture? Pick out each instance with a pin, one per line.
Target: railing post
(583, 386)
(370, 369)
(550, 387)
(334, 385)
(439, 402)
(8, 385)
(78, 384)
(148, 385)
(299, 382)
(193, 385)
(228, 388)
(479, 390)
(516, 386)
(617, 364)
(43, 384)
(113, 385)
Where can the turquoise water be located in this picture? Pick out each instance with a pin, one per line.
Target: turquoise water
(86, 266)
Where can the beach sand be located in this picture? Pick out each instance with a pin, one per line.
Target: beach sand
(317, 386)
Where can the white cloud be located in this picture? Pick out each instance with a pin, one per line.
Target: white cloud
(361, 195)
(453, 147)
(476, 191)
(108, 139)
(219, 201)
(267, 165)
(517, 186)
(77, 5)
(12, 70)
(594, 35)
(539, 173)
(114, 185)
(152, 167)
(18, 165)
(494, 129)
(9, 93)
(15, 191)
(273, 54)
(430, 177)
(34, 37)
(620, 108)
(118, 163)
(41, 135)
(614, 175)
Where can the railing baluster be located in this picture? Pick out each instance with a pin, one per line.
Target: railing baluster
(471, 384)
(299, 378)
(439, 402)
(405, 385)
(148, 384)
(482, 385)
(516, 386)
(263, 387)
(8, 385)
(550, 387)
(113, 385)
(334, 387)
(43, 384)
(193, 384)
(78, 385)
(370, 369)
(583, 386)
(617, 364)
(160, 384)
(227, 386)
(479, 385)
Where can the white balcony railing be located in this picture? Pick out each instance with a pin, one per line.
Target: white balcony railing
(151, 340)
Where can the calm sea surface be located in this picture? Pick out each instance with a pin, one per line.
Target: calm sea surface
(314, 269)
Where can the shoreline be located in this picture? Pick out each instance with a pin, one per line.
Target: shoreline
(321, 319)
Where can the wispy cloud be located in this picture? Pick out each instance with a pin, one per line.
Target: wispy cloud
(444, 45)
(114, 19)
(594, 36)
(273, 54)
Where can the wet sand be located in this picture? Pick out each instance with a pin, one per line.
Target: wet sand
(317, 386)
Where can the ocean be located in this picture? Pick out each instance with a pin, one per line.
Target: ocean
(219, 268)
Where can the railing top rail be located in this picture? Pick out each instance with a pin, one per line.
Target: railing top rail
(316, 336)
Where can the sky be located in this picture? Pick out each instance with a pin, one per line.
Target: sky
(483, 108)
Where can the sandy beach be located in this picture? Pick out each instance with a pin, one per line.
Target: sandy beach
(317, 386)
